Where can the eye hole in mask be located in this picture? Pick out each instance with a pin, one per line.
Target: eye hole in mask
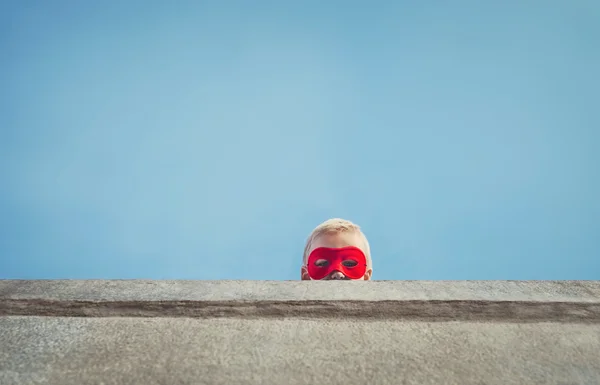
(347, 263)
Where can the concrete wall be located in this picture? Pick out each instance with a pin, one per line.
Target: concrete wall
(256, 332)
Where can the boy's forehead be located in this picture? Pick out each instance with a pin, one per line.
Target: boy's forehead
(337, 239)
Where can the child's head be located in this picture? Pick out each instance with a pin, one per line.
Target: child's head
(331, 236)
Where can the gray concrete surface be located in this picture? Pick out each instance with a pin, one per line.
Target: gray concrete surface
(144, 290)
(456, 346)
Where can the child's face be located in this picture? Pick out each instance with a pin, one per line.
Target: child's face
(336, 240)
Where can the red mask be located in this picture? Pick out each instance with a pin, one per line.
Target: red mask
(351, 261)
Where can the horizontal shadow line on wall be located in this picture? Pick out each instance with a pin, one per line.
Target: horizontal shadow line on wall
(415, 310)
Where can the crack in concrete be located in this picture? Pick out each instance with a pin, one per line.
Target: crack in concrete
(419, 310)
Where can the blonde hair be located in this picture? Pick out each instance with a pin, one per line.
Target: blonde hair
(337, 225)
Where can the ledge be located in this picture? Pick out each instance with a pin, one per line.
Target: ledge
(299, 333)
(505, 301)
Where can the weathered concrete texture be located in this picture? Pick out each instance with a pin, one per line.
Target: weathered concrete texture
(143, 290)
(425, 301)
(301, 347)
(80, 351)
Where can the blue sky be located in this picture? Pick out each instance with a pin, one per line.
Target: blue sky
(205, 140)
